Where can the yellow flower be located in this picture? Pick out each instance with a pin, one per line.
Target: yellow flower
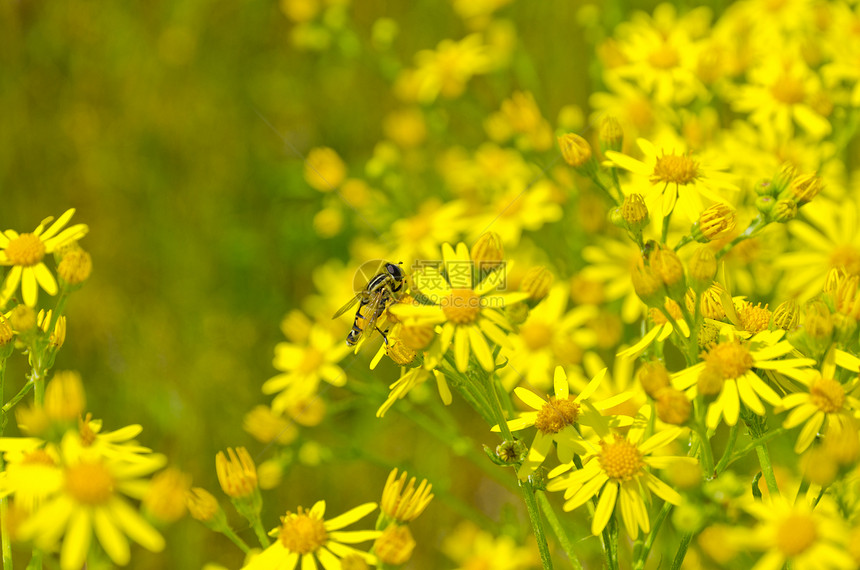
(303, 365)
(90, 500)
(677, 176)
(324, 169)
(466, 311)
(827, 401)
(828, 241)
(402, 501)
(305, 538)
(238, 474)
(471, 548)
(409, 379)
(446, 70)
(617, 474)
(806, 539)
(611, 263)
(545, 339)
(559, 419)
(730, 369)
(662, 329)
(25, 252)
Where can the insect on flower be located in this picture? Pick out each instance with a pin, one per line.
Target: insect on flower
(380, 290)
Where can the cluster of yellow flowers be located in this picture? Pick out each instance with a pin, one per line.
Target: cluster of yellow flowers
(681, 321)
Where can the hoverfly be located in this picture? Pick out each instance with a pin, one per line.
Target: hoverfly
(373, 300)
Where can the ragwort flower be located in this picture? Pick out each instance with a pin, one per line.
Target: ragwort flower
(25, 252)
(467, 311)
(305, 539)
(618, 474)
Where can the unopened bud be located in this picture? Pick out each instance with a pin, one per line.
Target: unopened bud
(653, 377)
(786, 316)
(417, 337)
(765, 204)
(575, 149)
(611, 134)
(647, 285)
(805, 187)
(714, 223)
(23, 319)
(488, 252)
(784, 211)
(399, 352)
(395, 545)
(783, 179)
(202, 505)
(703, 267)
(537, 282)
(818, 322)
(673, 407)
(668, 267)
(75, 267)
(634, 212)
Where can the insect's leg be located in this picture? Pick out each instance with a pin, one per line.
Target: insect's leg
(384, 336)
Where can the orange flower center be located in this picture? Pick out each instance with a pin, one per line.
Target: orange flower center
(671, 168)
(89, 483)
(731, 359)
(302, 533)
(462, 306)
(556, 415)
(796, 533)
(847, 257)
(754, 318)
(787, 90)
(620, 459)
(25, 250)
(828, 395)
(536, 335)
(38, 457)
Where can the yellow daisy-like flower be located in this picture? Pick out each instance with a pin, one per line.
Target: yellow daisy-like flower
(25, 252)
(618, 474)
(796, 534)
(90, 501)
(409, 379)
(448, 69)
(305, 539)
(729, 373)
(611, 263)
(303, 365)
(471, 548)
(826, 402)
(828, 241)
(468, 313)
(558, 418)
(547, 337)
(677, 177)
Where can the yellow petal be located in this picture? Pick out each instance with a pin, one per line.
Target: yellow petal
(480, 348)
(461, 348)
(560, 383)
(605, 507)
(111, 539)
(350, 516)
(76, 543)
(29, 289)
(530, 398)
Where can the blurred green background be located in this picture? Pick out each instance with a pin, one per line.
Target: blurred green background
(144, 117)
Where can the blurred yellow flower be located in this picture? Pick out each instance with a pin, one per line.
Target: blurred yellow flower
(324, 169)
(446, 70)
(25, 252)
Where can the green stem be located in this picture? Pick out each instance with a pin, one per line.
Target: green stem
(4, 502)
(16, 398)
(682, 550)
(243, 546)
(610, 544)
(755, 226)
(642, 559)
(727, 452)
(558, 529)
(528, 494)
(262, 537)
(665, 233)
(707, 455)
(35, 560)
(767, 469)
(755, 443)
(37, 375)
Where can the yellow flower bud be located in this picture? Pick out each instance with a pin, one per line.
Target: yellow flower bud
(818, 322)
(399, 352)
(202, 505)
(784, 211)
(488, 252)
(634, 212)
(647, 285)
(653, 377)
(238, 474)
(417, 337)
(786, 316)
(165, 496)
(805, 187)
(714, 223)
(575, 149)
(537, 282)
(75, 267)
(710, 382)
(23, 319)
(703, 266)
(395, 545)
(6, 332)
(266, 426)
(65, 400)
(673, 407)
(611, 134)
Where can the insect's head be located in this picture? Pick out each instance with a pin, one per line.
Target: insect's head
(395, 271)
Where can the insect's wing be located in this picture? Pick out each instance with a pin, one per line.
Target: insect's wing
(371, 312)
(349, 305)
